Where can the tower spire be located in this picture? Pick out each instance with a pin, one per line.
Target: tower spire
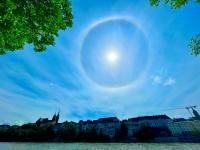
(54, 117)
(57, 117)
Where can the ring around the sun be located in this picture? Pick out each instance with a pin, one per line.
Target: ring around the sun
(114, 52)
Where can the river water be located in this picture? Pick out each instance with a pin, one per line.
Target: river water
(86, 146)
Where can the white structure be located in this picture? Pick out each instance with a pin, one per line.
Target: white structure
(185, 127)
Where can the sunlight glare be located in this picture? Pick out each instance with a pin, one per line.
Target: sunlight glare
(112, 57)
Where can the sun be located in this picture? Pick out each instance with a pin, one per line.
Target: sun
(112, 57)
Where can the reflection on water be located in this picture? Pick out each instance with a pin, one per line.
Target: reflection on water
(83, 146)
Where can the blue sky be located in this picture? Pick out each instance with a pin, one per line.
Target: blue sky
(34, 85)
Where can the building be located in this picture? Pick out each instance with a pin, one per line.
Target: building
(45, 121)
(107, 126)
(184, 127)
(158, 121)
(133, 127)
(86, 125)
(4, 126)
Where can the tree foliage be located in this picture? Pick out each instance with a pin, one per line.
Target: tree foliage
(69, 132)
(121, 133)
(173, 3)
(145, 134)
(35, 22)
(194, 43)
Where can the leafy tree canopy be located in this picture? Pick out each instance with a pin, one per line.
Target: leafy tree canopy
(194, 43)
(173, 3)
(35, 22)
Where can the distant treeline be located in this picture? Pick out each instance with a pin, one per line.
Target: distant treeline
(70, 132)
(48, 133)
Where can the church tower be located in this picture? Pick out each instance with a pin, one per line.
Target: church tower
(57, 117)
(54, 117)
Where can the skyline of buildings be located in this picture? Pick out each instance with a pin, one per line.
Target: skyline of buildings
(109, 125)
(191, 110)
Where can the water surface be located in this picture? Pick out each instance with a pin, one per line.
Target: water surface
(83, 146)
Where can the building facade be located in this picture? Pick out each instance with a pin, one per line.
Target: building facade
(185, 127)
(158, 121)
(107, 126)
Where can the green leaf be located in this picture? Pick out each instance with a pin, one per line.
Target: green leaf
(32, 22)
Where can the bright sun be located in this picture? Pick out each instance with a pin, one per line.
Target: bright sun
(112, 57)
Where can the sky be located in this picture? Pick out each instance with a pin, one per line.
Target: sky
(121, 58)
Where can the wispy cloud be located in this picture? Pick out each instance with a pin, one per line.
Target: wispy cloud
(169, 81)
(157, 79)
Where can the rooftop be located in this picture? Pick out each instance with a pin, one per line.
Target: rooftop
(149, 118)
(109, 119)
